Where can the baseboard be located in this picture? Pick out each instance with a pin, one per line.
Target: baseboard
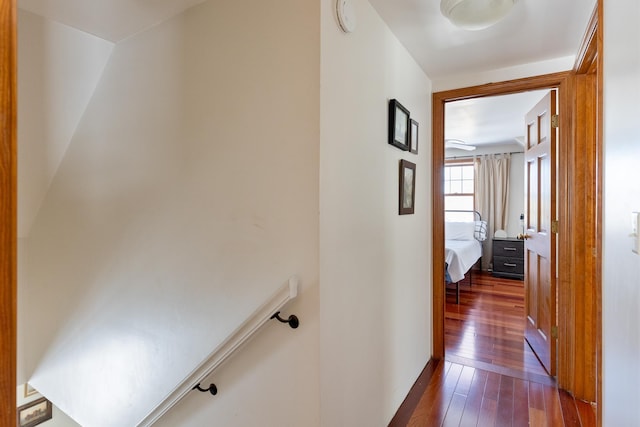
(404, 412)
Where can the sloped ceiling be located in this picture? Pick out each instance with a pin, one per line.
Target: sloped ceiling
(58, 70)
(111, 20)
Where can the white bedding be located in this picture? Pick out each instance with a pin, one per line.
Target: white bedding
(460, 255)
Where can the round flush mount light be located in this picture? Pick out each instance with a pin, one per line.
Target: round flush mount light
(475, 14)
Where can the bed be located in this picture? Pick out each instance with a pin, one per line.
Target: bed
(464, 233)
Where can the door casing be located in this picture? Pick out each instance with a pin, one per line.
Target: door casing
(568, 199)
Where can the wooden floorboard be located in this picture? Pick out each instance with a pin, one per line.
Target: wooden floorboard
(490, 377)
(473, 402)
(465, 396)
(505, 402)
(487, 325)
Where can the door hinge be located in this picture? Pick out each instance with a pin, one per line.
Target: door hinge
(555, 121)
(554, 332)
(554, 226)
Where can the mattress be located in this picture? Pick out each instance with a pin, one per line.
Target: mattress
(460, 255)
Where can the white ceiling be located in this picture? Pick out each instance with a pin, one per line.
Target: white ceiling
(534, 30)
(496, 121)
(112, 20)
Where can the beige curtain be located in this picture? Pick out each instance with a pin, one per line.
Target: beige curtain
(491, 196)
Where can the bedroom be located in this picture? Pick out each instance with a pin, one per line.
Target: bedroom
(485, 172)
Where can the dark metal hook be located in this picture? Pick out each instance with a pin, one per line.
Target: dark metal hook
(292, 320)
(212, 389)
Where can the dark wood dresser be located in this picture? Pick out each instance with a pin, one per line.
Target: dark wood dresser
(508, 258)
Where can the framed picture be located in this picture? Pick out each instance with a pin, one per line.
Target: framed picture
(413, 137)
(28, 390)
(398, 125)
(407, 187)
(34, 413)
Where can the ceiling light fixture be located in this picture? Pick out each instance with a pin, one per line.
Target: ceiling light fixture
(475, 14)
(460, 145)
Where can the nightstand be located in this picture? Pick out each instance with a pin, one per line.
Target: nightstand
(508, 258)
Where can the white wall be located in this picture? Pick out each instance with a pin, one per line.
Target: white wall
(374, 264)
(59, 68)
(455, 81)
(621, 194)
(188, 194)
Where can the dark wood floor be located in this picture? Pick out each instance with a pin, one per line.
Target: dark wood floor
(459, 395)
(487, 326)
(490, 376)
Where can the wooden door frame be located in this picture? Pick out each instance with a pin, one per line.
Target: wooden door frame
(584, 377)
(8, 209)
(579, 195)
(578, 352)
(562, 81)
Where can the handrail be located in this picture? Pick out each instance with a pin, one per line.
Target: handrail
(225, 350)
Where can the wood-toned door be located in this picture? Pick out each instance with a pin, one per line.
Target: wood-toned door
(540, 243)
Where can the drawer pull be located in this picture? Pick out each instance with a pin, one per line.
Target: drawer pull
(506, 264)
(510, 249)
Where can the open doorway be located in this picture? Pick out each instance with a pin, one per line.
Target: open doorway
(486, 185)
(578, 213)
(558, 81)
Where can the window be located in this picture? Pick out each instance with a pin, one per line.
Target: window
(459, 189)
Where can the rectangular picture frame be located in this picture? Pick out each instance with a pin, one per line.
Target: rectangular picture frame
(407, 188)
(413, 136)
(33, 413)
(29, 391)
(399, 118)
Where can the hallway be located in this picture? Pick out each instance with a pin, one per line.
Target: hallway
(490, 376)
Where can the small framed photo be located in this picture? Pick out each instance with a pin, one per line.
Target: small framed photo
(29, 391)
(34, 413)
(407, 187)
(413, 137)
(398, 125)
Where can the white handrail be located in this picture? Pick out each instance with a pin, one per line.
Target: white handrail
(225, 350)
